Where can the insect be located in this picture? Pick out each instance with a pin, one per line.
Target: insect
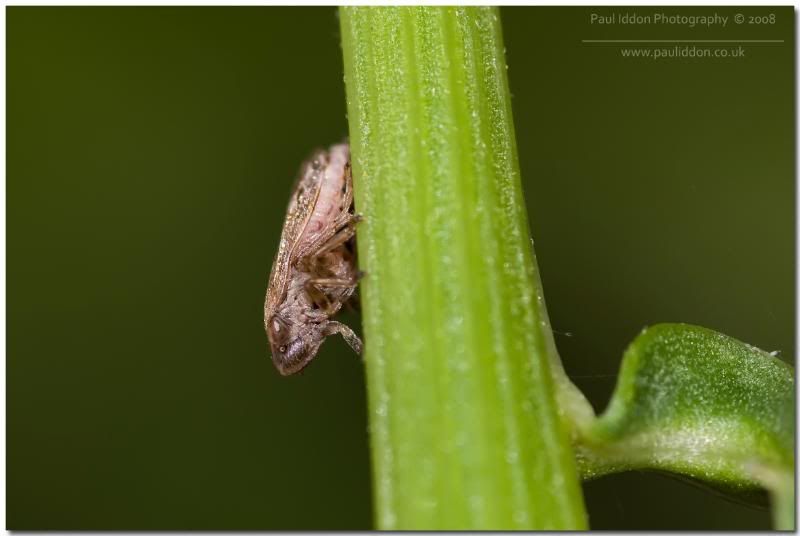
(314, 272)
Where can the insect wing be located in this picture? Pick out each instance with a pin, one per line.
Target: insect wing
(299, 211)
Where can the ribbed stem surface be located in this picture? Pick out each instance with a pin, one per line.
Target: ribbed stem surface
(464, 426)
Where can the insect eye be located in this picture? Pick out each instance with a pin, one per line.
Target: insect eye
(278, 332)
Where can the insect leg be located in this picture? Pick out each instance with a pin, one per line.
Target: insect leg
(348, 334)
(315, 287)
(342, 235)
(334, 281)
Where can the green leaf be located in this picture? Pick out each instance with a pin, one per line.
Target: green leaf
(703, 405)
(465, 430)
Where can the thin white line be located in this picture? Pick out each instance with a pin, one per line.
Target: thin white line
(682, 41)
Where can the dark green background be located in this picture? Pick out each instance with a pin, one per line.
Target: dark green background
(150, 156)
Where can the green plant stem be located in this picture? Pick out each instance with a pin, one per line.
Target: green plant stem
(465, 429)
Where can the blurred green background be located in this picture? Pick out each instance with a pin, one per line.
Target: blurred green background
(150, 155)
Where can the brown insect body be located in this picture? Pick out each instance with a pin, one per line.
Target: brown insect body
(314, 272)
